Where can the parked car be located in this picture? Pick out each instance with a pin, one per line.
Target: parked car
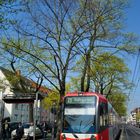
(28, 132)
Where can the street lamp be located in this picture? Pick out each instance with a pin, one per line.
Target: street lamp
(35, 113)
(36, 110)
(2, 106)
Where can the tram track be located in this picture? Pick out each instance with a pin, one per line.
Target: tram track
(130, 133)
(133, 130)
(126, 134)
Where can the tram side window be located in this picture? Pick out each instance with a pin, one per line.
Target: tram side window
(110, 118)
(103, 113)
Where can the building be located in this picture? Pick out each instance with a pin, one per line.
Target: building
(130, 119)
(17, 95)
(135, 113)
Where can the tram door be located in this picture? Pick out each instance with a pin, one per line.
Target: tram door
(103, 121)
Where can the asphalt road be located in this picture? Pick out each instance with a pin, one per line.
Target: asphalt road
(130, 132)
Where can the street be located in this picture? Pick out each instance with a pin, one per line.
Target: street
(130, 132)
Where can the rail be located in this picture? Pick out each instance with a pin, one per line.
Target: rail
(130, 132)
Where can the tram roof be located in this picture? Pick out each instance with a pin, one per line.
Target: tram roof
(100, 96)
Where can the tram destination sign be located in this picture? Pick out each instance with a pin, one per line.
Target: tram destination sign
(80, 100)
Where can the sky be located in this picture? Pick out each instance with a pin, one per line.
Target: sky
(133, 25)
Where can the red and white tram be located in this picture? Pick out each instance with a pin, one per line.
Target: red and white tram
(88, 116)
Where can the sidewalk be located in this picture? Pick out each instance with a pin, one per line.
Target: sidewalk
(47, 138)
(122, 136)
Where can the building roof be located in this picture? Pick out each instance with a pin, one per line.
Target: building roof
(21, 84)
(136, 110)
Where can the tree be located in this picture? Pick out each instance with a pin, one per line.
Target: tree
(68, 32)
(58, 33)
(54, 38)
(118, 101)
(109, 72)
(102, 24)
(7, 9)
(109, 76)
(52, 97)
(138, 117)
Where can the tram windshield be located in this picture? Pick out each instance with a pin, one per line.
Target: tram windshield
(79, 114)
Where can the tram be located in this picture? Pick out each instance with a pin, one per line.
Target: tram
(88, 116)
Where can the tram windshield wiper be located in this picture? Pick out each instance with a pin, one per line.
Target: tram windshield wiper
(75, 135)
(80, 126)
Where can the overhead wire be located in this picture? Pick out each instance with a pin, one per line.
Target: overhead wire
(134, 91)
(135, 77)
(134, 73)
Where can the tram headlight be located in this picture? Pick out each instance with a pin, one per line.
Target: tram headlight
(92, 137)
(64, 137)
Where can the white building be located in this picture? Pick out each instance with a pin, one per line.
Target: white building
(130, 119)
(16, 111)
(135, 114)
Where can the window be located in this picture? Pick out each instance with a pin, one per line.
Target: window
(22, 107)
(16, 117)
(27, 107)
(16, 106)
(103, 116)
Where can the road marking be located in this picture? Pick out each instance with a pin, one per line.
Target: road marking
(127, 136)
(122, 136)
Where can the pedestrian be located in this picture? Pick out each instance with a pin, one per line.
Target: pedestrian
(6, 130)
(19, 131)
(55, 128)
(44, 129)
(3, 130)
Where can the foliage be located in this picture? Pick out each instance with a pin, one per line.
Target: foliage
(46, 38)
(108, 72)
(101, 22)
(7, 8)
(53, 97)
(49, 37)
(52, 43)
(118, 101)
(138, 117)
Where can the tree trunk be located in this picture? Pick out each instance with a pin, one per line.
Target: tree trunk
(109, 92)
(84, 73)
(101, 87)
(59, 115)
(88, 75)
(88, 83)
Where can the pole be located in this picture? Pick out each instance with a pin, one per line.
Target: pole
(35, 114)
(53, 128)
(53, 118)
(2, 109)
